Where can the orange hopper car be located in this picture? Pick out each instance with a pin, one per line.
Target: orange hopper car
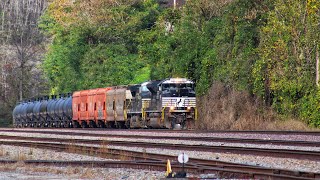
(89, 106)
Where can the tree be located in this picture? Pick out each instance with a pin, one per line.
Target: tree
(96, 42)
(21, 47)
(22, 36)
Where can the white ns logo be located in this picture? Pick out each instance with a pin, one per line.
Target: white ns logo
(180, 102)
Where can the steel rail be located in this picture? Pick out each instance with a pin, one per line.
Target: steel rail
(186, 138)
(311, 133)
(224, 169)
(280, 153)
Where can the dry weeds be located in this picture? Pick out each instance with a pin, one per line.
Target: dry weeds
(144, 154)
(104, 150)
(2, 151)
(71, 148)
(72, 170)
(124, 156)
(88, 173)
(30, 153)
(224, 108)
(20, 156)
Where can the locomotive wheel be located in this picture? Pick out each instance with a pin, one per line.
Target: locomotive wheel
(190, 124)
(173, 122)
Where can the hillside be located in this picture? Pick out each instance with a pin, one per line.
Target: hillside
(265, 49)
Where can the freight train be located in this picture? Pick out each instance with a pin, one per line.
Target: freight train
(168, 103)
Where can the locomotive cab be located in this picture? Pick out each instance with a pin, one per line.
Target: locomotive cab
(178, 90)
(178, 102)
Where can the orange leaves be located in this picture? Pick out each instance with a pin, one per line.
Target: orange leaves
(84, 12)
(313, 6)
(61, 11)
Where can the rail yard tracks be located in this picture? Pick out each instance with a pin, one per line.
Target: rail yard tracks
(153, 161)
(282, 153)
(314, 133)
(146, 160)
(186, 138)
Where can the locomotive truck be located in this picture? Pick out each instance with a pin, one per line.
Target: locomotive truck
(169, 103)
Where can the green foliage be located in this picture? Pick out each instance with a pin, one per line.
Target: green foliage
(285, 70)
(310, 107)
(87, 55)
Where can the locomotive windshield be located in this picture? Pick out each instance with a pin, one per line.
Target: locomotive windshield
(178, 90)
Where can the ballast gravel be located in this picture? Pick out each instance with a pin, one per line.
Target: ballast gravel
(271, 162)
(281, 163)
(243, 135)
(162, 141)
(23, 171)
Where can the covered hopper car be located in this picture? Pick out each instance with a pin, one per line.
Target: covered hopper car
(169, 103)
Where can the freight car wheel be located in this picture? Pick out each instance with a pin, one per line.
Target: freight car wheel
(84, 124)
(110, 124)
(92, 124)
(120, 125)
(101, 124)
(76, 124)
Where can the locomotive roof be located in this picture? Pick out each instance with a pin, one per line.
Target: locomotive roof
(177, 80)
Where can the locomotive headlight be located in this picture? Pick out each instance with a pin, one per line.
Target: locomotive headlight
(172, 108)
(188, 108)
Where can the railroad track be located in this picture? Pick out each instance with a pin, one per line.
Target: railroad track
(186, 138)
(308, 133)
(280, 153)
(157, 162)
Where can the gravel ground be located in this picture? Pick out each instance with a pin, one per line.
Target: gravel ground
(159, 133)
(22, 172)
(26, 172)
(283, 163)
